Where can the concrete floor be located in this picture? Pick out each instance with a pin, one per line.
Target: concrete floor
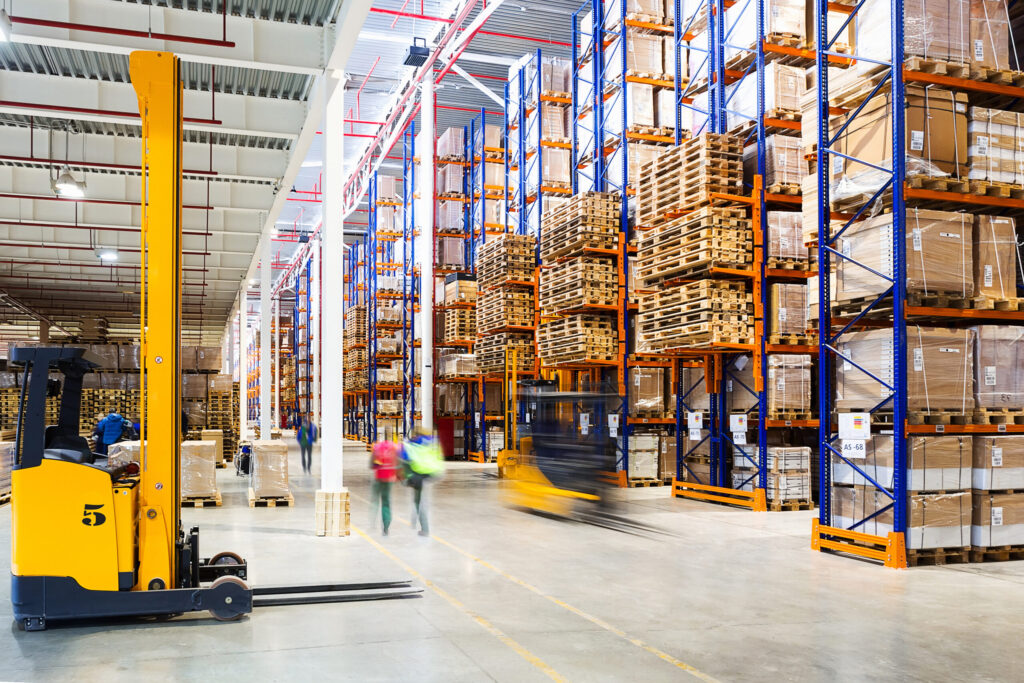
(724, 594)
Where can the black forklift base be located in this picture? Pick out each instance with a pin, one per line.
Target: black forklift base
(39, 599)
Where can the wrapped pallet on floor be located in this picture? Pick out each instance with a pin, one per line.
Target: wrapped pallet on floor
(269, 470)
(199, 469)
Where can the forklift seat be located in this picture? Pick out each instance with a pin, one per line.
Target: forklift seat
(59, 445)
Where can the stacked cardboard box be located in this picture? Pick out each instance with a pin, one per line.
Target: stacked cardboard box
(644, 456)
(789, 387)
(459, 288)
(456, 365)
(452, 144)
(332, 513)
(786, 248)
(934, 520)
(787, 473)
(198, 469)
(647, 396)
(785, 167)
(788, 313)
(269, 470)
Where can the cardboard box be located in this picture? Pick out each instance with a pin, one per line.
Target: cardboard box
(936, 135)
(995, 257)
(217, 436)
(193, 386)
(999, 367)
(934, 520)
(199, 469)
(450, 216)
(784, 162)
(997, 519)
(739, 385)
(187, 359)
(667, 458)
(990, 35)
(933, 29)
(939, 248)
(647, 392)
(459, 288)
(995, 145)
(556, 163)
(552, 121)
(783, 91)
(845, 42)
(940, 369)
(644, 55)
(788, 309)
(451, 144)
(789, 384)
(785, 236)
(270, 469)
(998, 462)
(934, 463)
(644, 453)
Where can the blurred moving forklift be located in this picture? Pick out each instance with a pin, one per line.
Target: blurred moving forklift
(94, 538)
(557, 464)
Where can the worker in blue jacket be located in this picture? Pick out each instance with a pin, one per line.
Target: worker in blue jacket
(108, 431)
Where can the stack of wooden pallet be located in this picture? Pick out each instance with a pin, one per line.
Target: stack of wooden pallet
(577, 283)
(695, 244)
(590, 220)
(355, 326)
(687, 176)
(504, 307)
(460, 325)
(506, 258)
(577, 338)
(9, 407)
(490, 351)
(221, 412)
(697, 315)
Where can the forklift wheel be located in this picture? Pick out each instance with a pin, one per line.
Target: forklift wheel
(226, 557)
(226, 593)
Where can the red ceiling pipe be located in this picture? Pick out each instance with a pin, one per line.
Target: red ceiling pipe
(131, 33)
(493, 78)
(42, 290)
(94, 112)
(56, 277)
(115, 202)
(105, 228)
(453, 108)
(425, 17)
(83, 264)
(29, 245)
(91, 164)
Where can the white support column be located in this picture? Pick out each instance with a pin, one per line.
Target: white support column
(316, 314)
(425, 150)
(266, 338)
(331, 320)
(243, 338)
(277, 362)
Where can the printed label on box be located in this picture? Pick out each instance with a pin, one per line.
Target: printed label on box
(997, 456)
(990, 375)
(916, 238)
(948, 349)
(997, 516)
(982, 145)
(950, 235)
(782, 315)
(988, 276)
(979, 48)
(916, 140)
(918, 359)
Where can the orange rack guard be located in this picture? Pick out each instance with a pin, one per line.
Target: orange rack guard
(890, 550)
(755, 500)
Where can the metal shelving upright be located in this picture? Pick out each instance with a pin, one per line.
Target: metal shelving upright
(410, 280)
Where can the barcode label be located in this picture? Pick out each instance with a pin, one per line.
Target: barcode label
(782, 315)
(997, 516)
(988, 276)
(997, 456)
(916, 140)
(982, 145)
(990, 375)
(916, 238)
(918, 360)
(979, 50)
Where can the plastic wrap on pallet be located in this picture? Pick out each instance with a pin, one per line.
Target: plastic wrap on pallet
(387, 188)
(639, 155)
(494, 175)
(939, 364)
(932, 29)
(665, 111)
(555, 74)
(938, 247)
(449, 216)
(789, 384)
(739, 385)
(639, 112)
(788, 309)
(997, 519)
(122, 453)
(494, 136)
(643, 456)
(556, 162)
(785, 236)
(781, 17)
(449, 179)
(195, 411)
(991, 46)
(270, 469)
(193, 386)
(933, 463)
(784, 161)
(106, 355)
(644, 55)
(647, 392)
(779, 486)
(452, 144)
(783, 91)
(217, 436)
(552, 121)
(999, 367)
(934, 520)
(998, 462)
(386, 220)
(667, 457)
(995, 146)
(199, 469)
(9, 380)
(116, 381)
(936, 138)
(450, 252)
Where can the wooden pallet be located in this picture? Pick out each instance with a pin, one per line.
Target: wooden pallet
(998, 416)
(790, 505)
(578, 282)
(793, 339)
(588, 220)
(269, 502)
(779, 263)
(1000, 76)
(202, 501)
(1001, 553)
(637, 482)
(784, 188)
(937, 556)
(937, 416)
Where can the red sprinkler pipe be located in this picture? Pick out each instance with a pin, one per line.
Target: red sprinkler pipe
(90, 164)
(114, 202)
(94, 112)
(72, 226)
(426, 17)
(130, 33)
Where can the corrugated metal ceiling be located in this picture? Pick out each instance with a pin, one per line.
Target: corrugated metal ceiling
(313, 12)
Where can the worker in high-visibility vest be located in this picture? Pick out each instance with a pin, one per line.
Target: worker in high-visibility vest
(422, 461)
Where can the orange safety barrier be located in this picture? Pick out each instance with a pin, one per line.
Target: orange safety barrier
(755, 500)
(890, 550)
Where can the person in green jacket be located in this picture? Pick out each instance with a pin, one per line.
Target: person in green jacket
(307, 437)
(422, 461)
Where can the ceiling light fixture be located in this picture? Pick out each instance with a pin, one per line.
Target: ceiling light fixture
(66, 186)
(106, 254)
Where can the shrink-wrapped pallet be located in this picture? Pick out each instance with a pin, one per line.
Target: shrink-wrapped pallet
(555, 75)
(997, 519)
(783, 90)
(199, 469)
(494, 137)
(452, 144)
(387, 188)
(932, 29)
(270, 469)
(933, 463)
(187, 360)
(990, 42)
(999, 367)
(667, 457)
(217, 436)
(450, 215)
(193, 386)
(998, 462)
(644, 56)
(995, 146)
(934, 520)
(449, 179)
(555, 167)
(647, 392)
(939, 369)
(789, 385)
(552, 121)
(995, 257)
(106, 355)
(450, 252)
(785, 237)
(643, 456)
(195, 413)
(938, 248)
(788, 309)
(208, 358)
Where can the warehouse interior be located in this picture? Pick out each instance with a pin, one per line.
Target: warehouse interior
(671, 329)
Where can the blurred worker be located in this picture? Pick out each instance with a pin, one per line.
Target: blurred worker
(421, 461)
(108, 430)
(384, 463)
(307, 437)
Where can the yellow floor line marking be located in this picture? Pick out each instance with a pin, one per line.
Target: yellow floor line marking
(457, 604)
(575, 610)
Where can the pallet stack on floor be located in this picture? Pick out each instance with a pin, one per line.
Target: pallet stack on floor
(579, 286)
(505, 302)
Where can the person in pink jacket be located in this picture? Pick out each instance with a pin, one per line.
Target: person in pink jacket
(384, 463)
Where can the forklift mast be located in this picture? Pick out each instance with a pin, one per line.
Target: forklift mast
(157, 82)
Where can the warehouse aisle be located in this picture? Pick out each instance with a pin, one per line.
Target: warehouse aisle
(511, 596)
